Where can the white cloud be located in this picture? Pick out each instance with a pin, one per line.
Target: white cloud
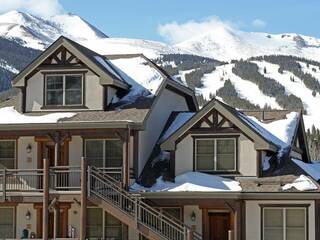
(177, 32)
(258, 23)
(42, 8)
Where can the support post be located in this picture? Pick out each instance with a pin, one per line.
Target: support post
(4, 184)
(45, 213)
(83, 210)
(126, 159)
(56, 222)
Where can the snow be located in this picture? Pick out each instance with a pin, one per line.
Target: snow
(5, 65)
(226, 43)
(177, 123)
(311, 104)
(10, 116)
(302, 183)
(313, 169)
(192, 182)
(136, 71)
(266, 163)
(104, 63)
(215, 80)
(309, 70)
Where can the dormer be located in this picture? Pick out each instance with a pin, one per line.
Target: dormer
(68, 76)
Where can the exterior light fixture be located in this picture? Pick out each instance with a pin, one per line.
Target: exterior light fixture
(29, 148)
(28, 215)
(193, 216)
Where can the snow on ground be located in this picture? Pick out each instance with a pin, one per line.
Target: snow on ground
(192, 182)
(313, 169)
(311, 104)
(180, 120)
(246, 89)
(182, 75)
(5, 65)
(10, 116)
(136, 71)
(302, 183)
(312, 70)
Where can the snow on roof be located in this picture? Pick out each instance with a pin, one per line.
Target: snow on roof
(178, 122)
(10, 116)
(302, 183)
(279, 132)
(105, 64)
(192, 182)
(313, 169)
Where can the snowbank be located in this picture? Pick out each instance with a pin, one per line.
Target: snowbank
(180, 120)
(313, 169)
(302, 183)
(192, 182)
(8, 115)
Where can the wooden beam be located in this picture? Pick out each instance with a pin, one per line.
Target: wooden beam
(45, 212)
(83, 207)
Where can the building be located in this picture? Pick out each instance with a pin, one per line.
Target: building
(111, 147)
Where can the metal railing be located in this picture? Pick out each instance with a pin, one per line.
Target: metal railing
(20, 180)
(109, 190)
(65, 178)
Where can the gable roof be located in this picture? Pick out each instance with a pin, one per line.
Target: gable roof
(94, 61)
(261, 142)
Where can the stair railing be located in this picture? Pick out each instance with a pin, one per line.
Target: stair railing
(110, 190)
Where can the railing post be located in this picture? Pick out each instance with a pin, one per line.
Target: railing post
(83, 210)
(45, 209)
(88, 181)
(4, 184)
(136, 210)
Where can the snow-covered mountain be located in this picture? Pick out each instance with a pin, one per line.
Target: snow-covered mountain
(225, 43)
(37, 33)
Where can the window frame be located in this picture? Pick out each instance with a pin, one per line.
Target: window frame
(15, 150)
(103, 150)
(64, 105)
(305, 207)
(13, 219)
(215, 138)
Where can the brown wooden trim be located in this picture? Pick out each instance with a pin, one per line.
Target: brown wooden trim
(136, 154)
(205, 224)
(259, 163)
(317, 219)
(172, 165)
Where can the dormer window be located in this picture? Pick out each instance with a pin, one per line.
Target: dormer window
(64, 90)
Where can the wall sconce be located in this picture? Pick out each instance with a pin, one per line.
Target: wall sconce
(193, 216)
(28, 215)
(29, 148)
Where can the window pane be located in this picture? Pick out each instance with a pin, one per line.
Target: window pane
(225, 154)
(54, 94)
(273, 224)
(54, 82)
(94, 222)
(94, 152)
(54, 97)
(6, 222)
(295, 224)
(73, 90)
(113, 153)
(205, 154)
(7, 154)
(113, 227)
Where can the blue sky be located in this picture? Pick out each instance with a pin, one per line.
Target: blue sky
(142, 18)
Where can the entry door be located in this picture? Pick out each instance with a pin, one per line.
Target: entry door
(219, 226)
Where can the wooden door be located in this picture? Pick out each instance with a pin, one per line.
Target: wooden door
(219, 224)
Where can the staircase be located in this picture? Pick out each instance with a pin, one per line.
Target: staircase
(108, 193)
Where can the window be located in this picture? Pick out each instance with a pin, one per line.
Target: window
(64, 90)
(104, 153)
(7, 154)
(102, 225)
(7, 222)
(216, 154)
(284, 223)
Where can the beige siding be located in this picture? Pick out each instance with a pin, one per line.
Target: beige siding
(75, 151)
(187, 212)
(253, 217)
(35, 92)
(246, 156)
(22, 222)
(27, 160)
(74, 218)
(168, 102)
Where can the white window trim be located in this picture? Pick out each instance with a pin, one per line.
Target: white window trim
(215, 154)
(104, 148)
(64, 88)
(284, 209)
(15, 150)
